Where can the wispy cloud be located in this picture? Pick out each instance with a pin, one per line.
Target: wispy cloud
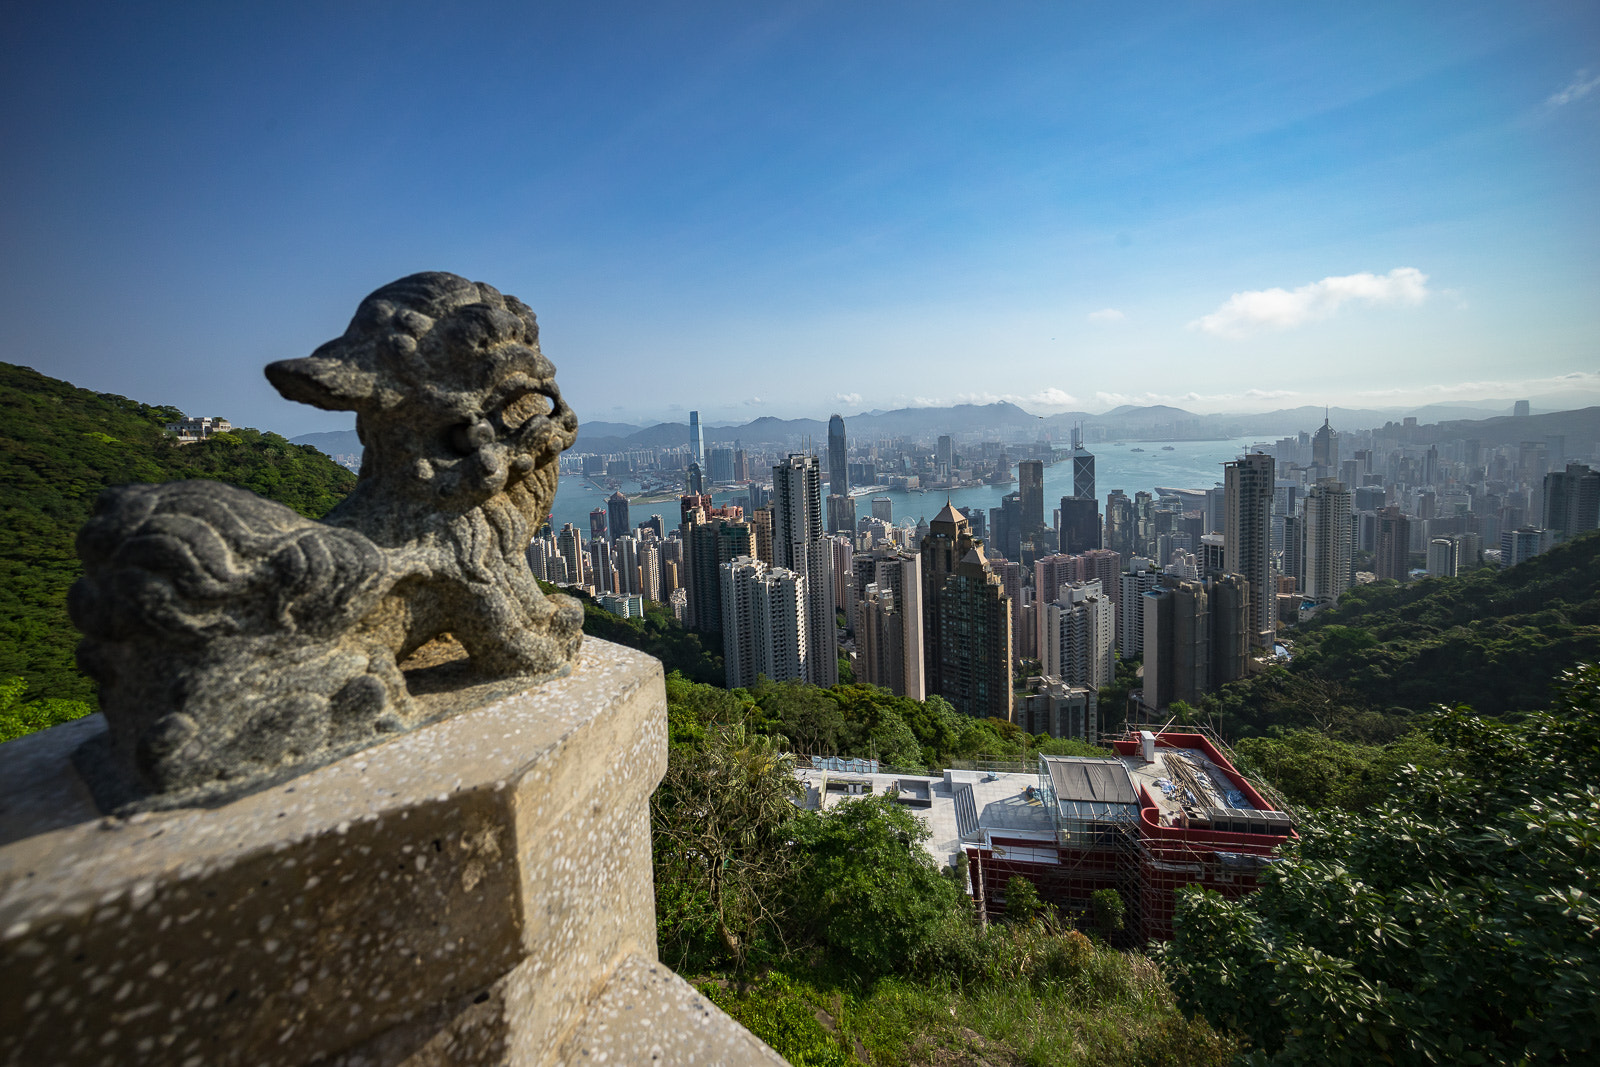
(1048, 397)
(1581, 386)
(1284, 309)
(848, 398)
(1582, 85)
(1106, 315)
(753, 401)
(1052, 397)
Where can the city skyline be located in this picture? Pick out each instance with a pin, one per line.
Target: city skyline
(1222, 208)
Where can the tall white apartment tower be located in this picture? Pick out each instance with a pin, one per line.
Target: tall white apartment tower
(1078, 636)
(1247, 538)
(800, 544)
(1327, 554)
(763, 622)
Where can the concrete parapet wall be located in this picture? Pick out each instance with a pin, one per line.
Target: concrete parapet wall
(476, 892)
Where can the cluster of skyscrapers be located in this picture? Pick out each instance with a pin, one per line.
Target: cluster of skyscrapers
(1192, 582)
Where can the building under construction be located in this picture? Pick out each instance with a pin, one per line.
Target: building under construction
(1166, 811)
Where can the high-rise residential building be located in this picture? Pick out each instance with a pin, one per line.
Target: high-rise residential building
(1030, 498)
(697, 441)
(1571, 501)
(1443, 560)
(883, 508)
(625, 557)
(1325, 450)
(1082, 468)
(1140, 577)
(709, 541)
(602, 568)
(570, 543)
(1392, 557)
(1080, 524)
(1211, 555)
(617, 521)
(1247, 538)
(1522, 544)
(1196, 638)
(1079, 633)
(599, 525)
(888, 621)
(1228, 596)
(1327, 542)
(1289, 545)
(649, 555)
(1011, 575)
(966, 621)
(838, 461)
(841, 566)
(1050, 573)
(800, 544)
(761, 527)
(1177, 643)
(763, 622)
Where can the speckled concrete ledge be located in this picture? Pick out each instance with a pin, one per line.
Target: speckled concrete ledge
(647, 1014)
(460, 895)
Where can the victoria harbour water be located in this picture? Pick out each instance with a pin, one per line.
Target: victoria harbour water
(1188, 465)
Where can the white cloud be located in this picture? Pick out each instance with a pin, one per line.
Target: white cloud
(927, 402)
(1281, 309)
(1106, 315)
(753, 401)
(848, 398)
(1580, 86)
(1267, 394)
(1052, 397)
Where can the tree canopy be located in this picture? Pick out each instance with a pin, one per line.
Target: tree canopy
(1455, 921)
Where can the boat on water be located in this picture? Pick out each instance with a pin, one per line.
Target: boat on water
(1168, 448)
(1136, 450)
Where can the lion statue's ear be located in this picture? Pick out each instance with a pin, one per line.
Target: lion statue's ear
(330, 384)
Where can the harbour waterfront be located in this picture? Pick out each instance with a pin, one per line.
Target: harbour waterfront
(1189, 465)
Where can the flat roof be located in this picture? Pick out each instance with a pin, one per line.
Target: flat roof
(1090, 779)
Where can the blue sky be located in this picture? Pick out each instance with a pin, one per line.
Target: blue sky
(793, 209)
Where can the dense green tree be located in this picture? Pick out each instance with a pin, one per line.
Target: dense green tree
(1457, 921)
(867, 889)
(719, 825)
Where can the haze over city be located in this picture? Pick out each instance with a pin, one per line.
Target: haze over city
(793, 209)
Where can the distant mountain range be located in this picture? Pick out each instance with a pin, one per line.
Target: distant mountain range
(1492, 424)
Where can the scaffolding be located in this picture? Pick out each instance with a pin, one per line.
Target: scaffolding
(1103, 842)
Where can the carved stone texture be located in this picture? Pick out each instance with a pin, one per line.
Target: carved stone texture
(237, 643)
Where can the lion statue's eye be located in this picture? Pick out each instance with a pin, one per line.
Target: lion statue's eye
(525, 407)
(471, 436)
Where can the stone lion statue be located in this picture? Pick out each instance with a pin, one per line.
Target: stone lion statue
(236, 642)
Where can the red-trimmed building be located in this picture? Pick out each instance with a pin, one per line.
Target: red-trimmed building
(1168, 810)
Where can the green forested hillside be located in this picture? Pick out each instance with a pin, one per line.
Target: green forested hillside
(1494, 639)
(59, 446)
